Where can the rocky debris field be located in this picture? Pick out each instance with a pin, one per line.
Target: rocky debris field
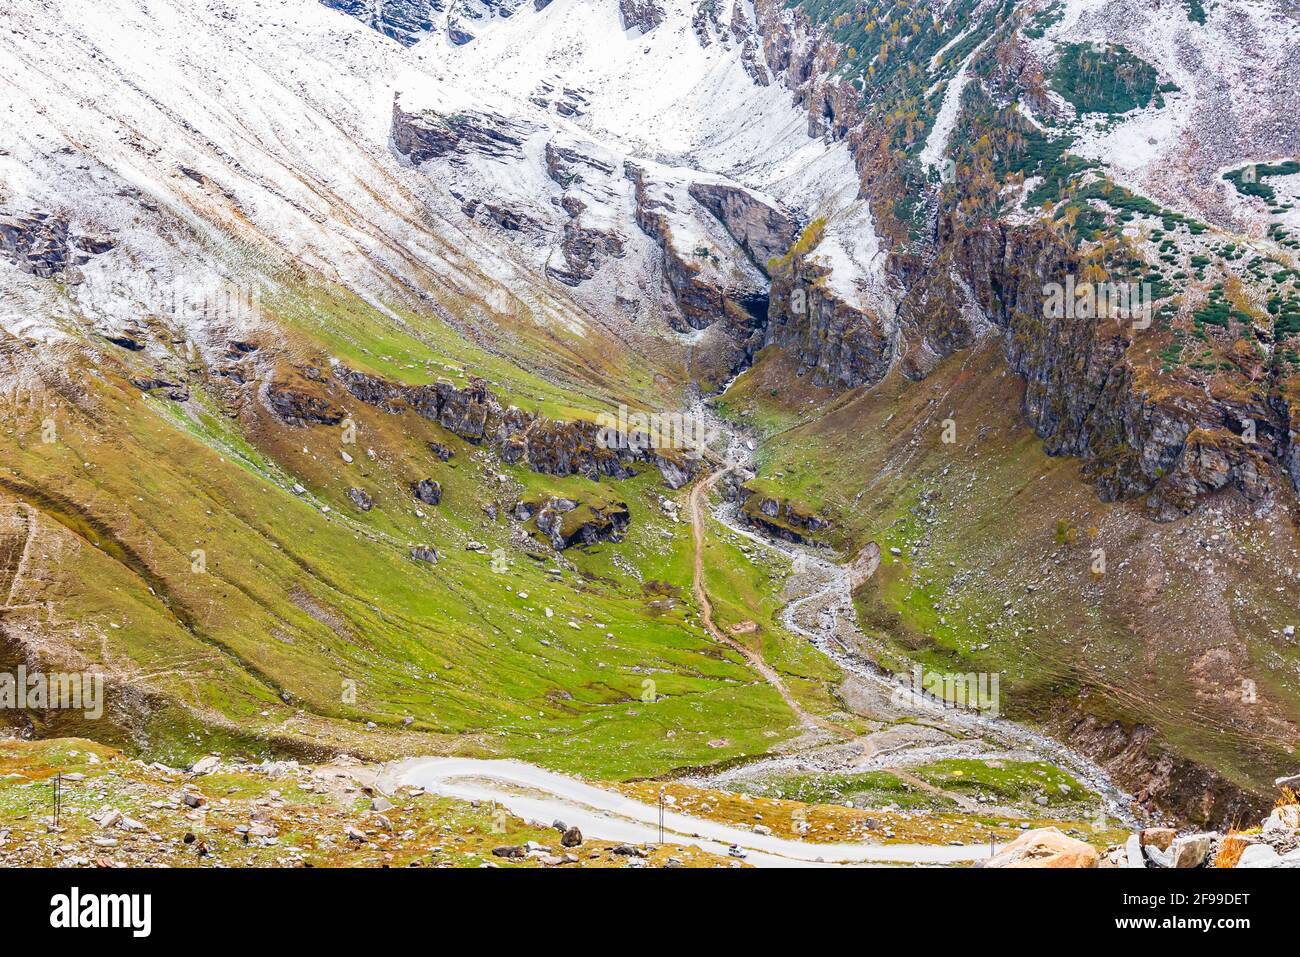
(1274, 843)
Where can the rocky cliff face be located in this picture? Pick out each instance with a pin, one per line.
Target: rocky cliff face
(1159, 779)
(544, 445)
(966, 263)
(42, 244)
(642, 15)
(406, 21)
(839, 340)
(708, 279)
(426, 135)
(764, 231)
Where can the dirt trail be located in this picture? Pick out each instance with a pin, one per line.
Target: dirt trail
(965, 803)
(698, 507)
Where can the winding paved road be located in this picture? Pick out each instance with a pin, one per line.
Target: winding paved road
(542, 797)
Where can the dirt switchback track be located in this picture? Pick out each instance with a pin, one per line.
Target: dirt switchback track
(698, 501)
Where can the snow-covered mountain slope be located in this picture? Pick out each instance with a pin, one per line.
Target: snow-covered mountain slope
(686, 93)
(248, 139)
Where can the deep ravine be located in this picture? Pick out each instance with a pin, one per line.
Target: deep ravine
(827, 607)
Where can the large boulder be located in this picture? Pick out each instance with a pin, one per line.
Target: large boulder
(1259, 855)
(1045, 847)
(1283, 820)
(427, 491)
(565, 522)
(1191, 851)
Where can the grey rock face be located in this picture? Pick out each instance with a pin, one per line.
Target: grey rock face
(406, 21)
(427, 491)
(545, 445)
(763, 231)
(705, 295)
(582, 245)
(643, 15)
(41, 244)
(844, 346)
(361, 499)
(425, 135)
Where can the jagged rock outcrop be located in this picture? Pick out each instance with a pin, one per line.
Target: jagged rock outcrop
(406, 21)
(41, 244)
(565, 522)
(843, 343)
(361, 499)
(427, 491)
(1137, 435)
(172, 390)
(583, 247)
(296, 395)
(709, 280)
(780, 517)
(1160, 780)
(545, 445)
(502, 217)
(643, 15)
(426, 135)
(763, 230)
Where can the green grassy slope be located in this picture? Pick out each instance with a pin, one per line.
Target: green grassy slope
(171, 550)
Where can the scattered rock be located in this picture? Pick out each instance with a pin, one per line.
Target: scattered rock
(205, 765)
(427, 491)
(1191, 851)
(1045, 847)
(1161, 837)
